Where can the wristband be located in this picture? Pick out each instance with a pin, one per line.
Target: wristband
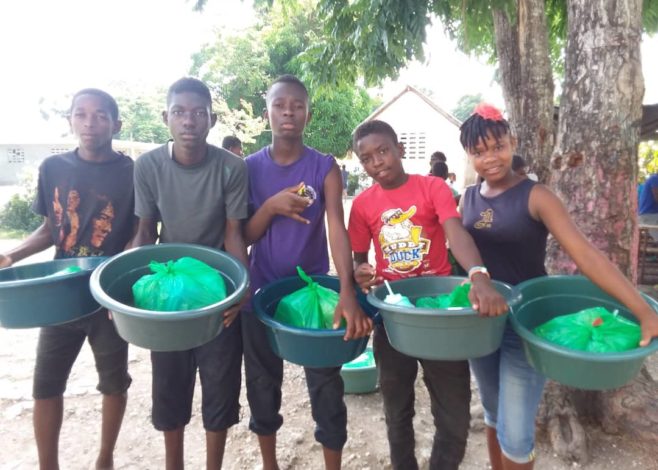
(477, 269)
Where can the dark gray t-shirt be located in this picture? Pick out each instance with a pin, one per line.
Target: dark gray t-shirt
(191, 202)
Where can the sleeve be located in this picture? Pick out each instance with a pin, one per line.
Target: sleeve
(236, 191)
(40, 205)
(357, 228)
(442, 199)
(145, 203)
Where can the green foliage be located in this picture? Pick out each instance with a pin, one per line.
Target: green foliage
(141, 114)
(648, 159)
(357, 182)
(464, 107)
(240, 68)
(17, 217)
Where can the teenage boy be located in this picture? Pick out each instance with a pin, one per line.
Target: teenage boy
(198, 193)
(71, 187)
(408, 219)
(288, 229)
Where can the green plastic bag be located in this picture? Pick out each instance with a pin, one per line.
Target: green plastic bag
(184, 284)
(458, 297)
(311, 307)
(366, 359)
(65, 271)
(593, 329)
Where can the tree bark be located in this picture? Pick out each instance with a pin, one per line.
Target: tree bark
(594, 170)
(527, 81)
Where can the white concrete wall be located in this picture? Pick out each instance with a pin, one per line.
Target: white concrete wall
(411, 114)
(17, 159)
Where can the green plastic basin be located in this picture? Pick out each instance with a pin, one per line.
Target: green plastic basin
(547, 297)
(360, 375)
(306, 347)
(445, 334)
(30, 297)
(111, 285)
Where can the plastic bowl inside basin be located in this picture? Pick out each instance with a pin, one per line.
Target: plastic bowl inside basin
(306, 347)
(442, 334)
(111, 284)
(360, 378)
(547, 297)
(31, 297)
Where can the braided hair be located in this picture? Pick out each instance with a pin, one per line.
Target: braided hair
(485, 120)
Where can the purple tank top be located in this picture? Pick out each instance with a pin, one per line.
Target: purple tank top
(288, 243)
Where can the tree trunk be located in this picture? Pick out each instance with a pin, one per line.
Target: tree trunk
(594, 170)
(527, 81)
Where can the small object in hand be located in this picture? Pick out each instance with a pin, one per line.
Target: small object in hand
(308, 192)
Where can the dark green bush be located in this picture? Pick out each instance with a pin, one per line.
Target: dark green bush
(17, 214)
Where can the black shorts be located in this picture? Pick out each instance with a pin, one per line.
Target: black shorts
(60, 345)
(174, 373)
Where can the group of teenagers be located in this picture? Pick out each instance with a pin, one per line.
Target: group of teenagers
(190, 191)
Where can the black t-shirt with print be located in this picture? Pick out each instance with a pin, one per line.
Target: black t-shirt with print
(90, 205)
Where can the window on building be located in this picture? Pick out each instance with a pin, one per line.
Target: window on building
(414, 144)
(15, 155)
(58, 150)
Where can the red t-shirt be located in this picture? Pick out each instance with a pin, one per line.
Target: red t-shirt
(405, 226)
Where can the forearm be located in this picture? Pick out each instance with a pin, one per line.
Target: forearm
(234, 245)
(37, 241)
(341, 254)
(257, 225)
(147, 233)
(465, 251)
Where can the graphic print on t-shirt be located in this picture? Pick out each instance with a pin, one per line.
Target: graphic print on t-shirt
(486, 220)
(401, 242)
(96, 212)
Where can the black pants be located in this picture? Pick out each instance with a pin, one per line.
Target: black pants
(264, 376)
(448, 383)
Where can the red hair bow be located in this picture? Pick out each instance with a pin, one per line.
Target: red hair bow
(487, 111)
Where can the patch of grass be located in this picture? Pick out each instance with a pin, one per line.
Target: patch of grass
(10, 234)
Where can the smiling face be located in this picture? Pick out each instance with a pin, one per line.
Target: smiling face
(189, 118)
(287, 110)
(92, 123)
(492, 158)
(382, 159)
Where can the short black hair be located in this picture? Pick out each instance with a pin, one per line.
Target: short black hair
(191, 85)
(110, 102)
(518, 162)
(373, 127)
(476, 128)
(288, 79)
(440, 169)
(231, 141)
(438, 156)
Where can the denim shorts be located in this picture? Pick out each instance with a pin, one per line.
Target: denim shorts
(219, 363)
(511, 391)
(59, 346)
(264, 376)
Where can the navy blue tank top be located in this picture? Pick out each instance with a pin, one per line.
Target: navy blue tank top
(511, 242)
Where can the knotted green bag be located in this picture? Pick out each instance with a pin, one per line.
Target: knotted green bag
(593, 329)
(458, 297)
(312, 306)
(184, 284)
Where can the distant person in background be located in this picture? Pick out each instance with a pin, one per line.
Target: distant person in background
(233, 144)
(519, 166)
(437, 157)
(452, 179)
(648, 205)
(344, 174)
(440, 169)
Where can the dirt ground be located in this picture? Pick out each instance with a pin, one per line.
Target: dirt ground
(141, 447)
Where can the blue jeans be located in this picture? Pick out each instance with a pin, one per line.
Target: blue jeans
(510, 390)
